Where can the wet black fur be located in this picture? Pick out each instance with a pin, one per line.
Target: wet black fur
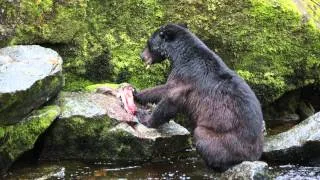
(225, 110)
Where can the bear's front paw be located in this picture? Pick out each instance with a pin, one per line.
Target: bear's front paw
(146, 120)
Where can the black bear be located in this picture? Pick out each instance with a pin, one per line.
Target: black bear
(226, 113)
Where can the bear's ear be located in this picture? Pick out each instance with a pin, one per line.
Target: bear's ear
(167, 34)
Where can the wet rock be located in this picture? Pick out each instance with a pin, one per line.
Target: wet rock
(21, 137)
(297, 145)
(286, 172)
(247, 170)
(94, 126)
(29, 77)
(39, 173)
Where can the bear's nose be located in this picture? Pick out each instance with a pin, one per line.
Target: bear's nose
(142, 55)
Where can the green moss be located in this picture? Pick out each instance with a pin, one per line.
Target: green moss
(92, 88)
(313, 9)
(125, 31)
(267, 42)
(93, 29)
(19, 138)
(75, 83)
(2, 132)
(42, 21)
(101, 40)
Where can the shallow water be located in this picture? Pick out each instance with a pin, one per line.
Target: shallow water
(190, 167)
(178, 169)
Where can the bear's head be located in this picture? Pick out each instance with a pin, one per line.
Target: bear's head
(157, 46)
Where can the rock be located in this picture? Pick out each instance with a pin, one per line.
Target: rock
(89, 128)
(29, 77)
(293, 106)
(285, 108)
(305, 110)
(299, 144)
(247, 171)
(295, 172)
(43, 172)
(21, 137)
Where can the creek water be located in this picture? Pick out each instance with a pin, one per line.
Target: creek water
(185, 165)
(190, 167)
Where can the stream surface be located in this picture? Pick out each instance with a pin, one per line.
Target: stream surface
(185, 165)
(190, 167)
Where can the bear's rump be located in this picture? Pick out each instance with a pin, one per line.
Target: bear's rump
(224, 149)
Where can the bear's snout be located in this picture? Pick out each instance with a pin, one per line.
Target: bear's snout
(146, 56)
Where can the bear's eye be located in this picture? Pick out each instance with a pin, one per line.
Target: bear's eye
(161, 34)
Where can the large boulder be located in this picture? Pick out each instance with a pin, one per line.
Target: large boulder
(245, 33)
(90, 128)
(21, 137)
(29, 77)
(297, 145)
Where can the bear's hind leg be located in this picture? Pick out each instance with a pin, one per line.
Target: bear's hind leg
(213, 149)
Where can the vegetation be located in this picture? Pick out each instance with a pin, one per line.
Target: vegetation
(269, 43)
(18, 138)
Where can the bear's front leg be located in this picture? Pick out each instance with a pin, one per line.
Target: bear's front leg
(151, 95)
(164, 111)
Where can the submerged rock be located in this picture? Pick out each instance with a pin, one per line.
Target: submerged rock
(29, 77)
(41, 172)
(21, 137)
(299, 144)
(247, 171)
(92, 126)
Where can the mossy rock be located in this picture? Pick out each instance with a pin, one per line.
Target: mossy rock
(29, 77)
(21, 137)
(300, 144)
(271, 44)
(90, 128)
(94, 87)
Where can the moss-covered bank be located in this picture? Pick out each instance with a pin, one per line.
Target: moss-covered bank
(269, 43)
(21, 137)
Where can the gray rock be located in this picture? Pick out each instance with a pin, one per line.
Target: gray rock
(247, 171)
(29, 77)
(93, 126)
(43, 172)
(299, 144)
(90, 105)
